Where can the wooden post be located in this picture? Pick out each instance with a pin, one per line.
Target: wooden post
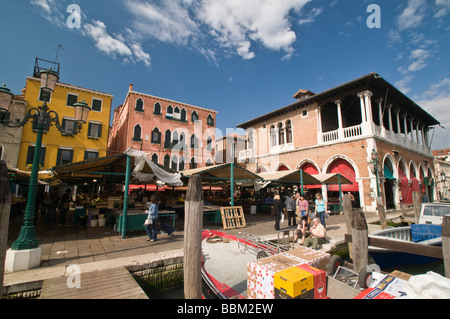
(446, 244)
(381, 213)
(360, 240)
(5, 206)
(193, 223)
(417, 202)
(347, 208)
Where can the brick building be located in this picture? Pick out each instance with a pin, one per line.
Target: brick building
(174, 134)
(337, 130)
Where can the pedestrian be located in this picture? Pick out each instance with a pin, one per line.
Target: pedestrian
(303, 206)
(321, 208)
(318, 235)
(52, 205)
(302, 229)
(64, 207)
(290, 207)
(277, 210)
(152, 219)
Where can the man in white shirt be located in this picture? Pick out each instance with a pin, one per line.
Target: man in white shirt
(318, 234)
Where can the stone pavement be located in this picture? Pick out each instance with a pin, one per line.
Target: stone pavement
(102, 248)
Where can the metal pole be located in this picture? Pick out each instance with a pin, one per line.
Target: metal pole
(340, 193)
(125, 198)
(232, 185)
(301, 181)
(27, 236)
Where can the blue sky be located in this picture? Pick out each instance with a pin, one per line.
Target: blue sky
(242, 58)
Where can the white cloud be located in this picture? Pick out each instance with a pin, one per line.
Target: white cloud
(50, 11)
(443, 7)
(418, 59)
(115, 46)
(233, 25)
(237, 23)
(436, 101)
(402, 84)
(313, 15)
(169, 22)
(413, 15)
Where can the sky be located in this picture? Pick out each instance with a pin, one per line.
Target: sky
(243, 58)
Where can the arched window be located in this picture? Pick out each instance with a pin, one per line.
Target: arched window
(181, 164)
(175, 138)
(156, 136)
(169, 112)
(193, 163)
(210, 120)
(183, 115)
(176, 114)
(137, 137)
(139, 105)
(209, 142)
(194, 116)
(157, 109)
(273, 136)
(155, 158)
(194, 141)
(289, 132)
(167, 139)
(280, 134)
(174, 163)
(209, 163)
(167, 161)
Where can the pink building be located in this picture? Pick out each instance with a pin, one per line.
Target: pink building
(173, 134)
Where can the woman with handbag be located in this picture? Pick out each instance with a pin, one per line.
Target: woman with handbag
(152, 219)
(321, 208)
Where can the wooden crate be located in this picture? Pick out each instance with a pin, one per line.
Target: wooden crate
(233, 217)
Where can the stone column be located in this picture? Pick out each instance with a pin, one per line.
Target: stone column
(339, 113)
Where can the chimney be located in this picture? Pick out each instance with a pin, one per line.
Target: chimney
(130, 87)
(303, 95)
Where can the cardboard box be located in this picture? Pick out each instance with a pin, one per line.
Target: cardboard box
(294, 283)
(261, 275)
(305, 255)
(320, 281)
(387, 287)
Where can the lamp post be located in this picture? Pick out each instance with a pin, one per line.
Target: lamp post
(44, 117)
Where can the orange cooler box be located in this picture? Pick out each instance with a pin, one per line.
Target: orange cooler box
(320, 281)
(294, 283)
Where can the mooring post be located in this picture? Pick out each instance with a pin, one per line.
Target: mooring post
(417, 202)
(347, 208)
(5, 206)
(381, 213)
(446, 244)
(360, 240)
(193, 223)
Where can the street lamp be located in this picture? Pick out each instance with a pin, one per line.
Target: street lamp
(374, 164)
(44, 117)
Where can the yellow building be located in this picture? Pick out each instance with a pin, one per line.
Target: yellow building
(62, 148)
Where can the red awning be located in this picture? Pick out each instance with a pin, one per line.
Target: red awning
(311, 170)
(345, 169)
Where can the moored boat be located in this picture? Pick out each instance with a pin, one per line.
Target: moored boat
(224, 266)
(419, 234)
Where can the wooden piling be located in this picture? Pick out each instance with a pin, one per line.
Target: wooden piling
(381, 213)
(360, 241)
(446, 244)
(193, 223)
(347, 208)
(5, 206)
(417, 202)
